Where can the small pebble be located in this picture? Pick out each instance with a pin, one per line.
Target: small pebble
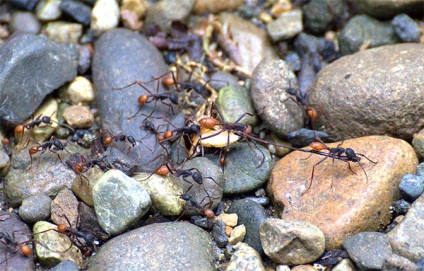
(78, 116)
(418, 143)
(420, 169)
(264, 201)
(401, 207)
(218, 233)
(79, 11)
(406, 29)
(260, 192)
(138, 7)
(344, 265)
(303, 268)
(64, 32)
(35, 208)
(282, 267)
(48, 10)
(84, 58)
(228, 219)
(64, 209)
(245, 258)
(286, 26)
(24, 22)
(397, 263)
(237, 235)
(293, 60)
(80, 90)
(66, 265)
(104, 16)
(411, 186)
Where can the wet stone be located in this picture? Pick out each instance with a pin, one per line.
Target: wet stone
(321, 15)
(12, 225)
(356, 88)
(339, 202)
(245, 258)
(164, 12)
(304, 137)
(291, 242)
(121, 58)
(251, 215)
(411, 187)
(77, 10)
(368, 250)
(394, 263)
(264, 201)
(24, 22)
(406, 238)
(119, 201)
(406, 29)
(270, 80)
(162, 246)
(45, 65)
(35, 208)
(286, 26)
(362, 29)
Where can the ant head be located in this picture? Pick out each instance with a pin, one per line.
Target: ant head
(248, 129)
(143, 99)
(185, 197)
(350, 153)
(174, 98)
(19, 129)
(45, 119)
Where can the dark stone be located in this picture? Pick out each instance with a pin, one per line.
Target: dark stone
(304, 137)
(293, 59)
(25, 4)
(368, 250)
(397, 263)
(321, 15)
(406, 29)
(251, 215)
(311, 65)
(35, 208)
(411, 186)
(305, 43)
(32, 67)
(120, 161)
(84, 59)
(80, 12)
(420, 264)
(66, 265)
(401, 207)
(218, 234)
(121, 58)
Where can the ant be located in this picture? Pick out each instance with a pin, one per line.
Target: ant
(302, 100)
(109, 138)
(10, 245)
(52, 145)
(79, 164)
(144, 98)
(206, 211)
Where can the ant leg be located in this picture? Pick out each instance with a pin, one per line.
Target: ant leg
(130, 85)
(263, 155)
(366, 176)
(367, 158)
(312, 175)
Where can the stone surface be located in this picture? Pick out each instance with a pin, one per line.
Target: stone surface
(206, 6)
(373, 92)
(418, 143)
(397, 263)
(368, 250)
(270, 80)
(79, 11)
(82, 186)
(251, 215)
(45, 65)
(406, 29)
(219, 234)
(286, 26)
(245, 258)
(35, 208)
(237, 235)
(354, 202)
(252, 42)
(384, 9)
(78, 116)
(406, 238)
(80, 90)
(164, 12)
(411, 187)
(66, 265)
(24, 22)
(321, 15)
(64, 32)
(48, 10)
(104, 16)
(163, 246)
(345, 265)
(119, 201)
(291, 242)
(362, 31)
(64, 209)
(122, 57)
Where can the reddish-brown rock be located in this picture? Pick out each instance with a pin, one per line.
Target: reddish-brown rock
(355, 203)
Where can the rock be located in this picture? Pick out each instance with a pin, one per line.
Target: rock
(80, 90)
(264, 201)
(47, 176)
(119, 201)
(418, 143)
(305, 44)
(5, 153)
(368, 249)
(104, 16)
(237, 235)
(251, 215)
(221, 79)
(406, 238)
(344, 265)
(162, 246)
(205, 6)
(45, 65)
(53, 247)
(293, 60)
(228, 219)
(406, 29)
(24, 22)
(48, 10)
(322, 15)
(363, 31)
(163, 13)
(25, 4)
(384, 9)
(311, 65)
(398, 263)
(138, 7)
(19, 232)
(78, 116)
(270, 80)
(303, 268)
(411, 187)
(291, 242)
(361, 99)
(304, 137)
(234, 101)
(165, 193)
(420, 264)
(121, 58)
(82, 185)
(64, 209)
(64, 32)
(77, 10)
(401, 207)
(286, 26)
(66, 265)
(245, 258)
(218, 233)
(362, 200)
(213, 183)
(84, 58)
(252, 42)
(420, 169)
(35, 208)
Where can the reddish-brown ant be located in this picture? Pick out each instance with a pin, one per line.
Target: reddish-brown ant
(206, 211)
(145, 98)
(14, 247)
(53, 145)
(187, 130)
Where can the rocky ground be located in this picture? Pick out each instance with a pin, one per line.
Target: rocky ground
(167, 135)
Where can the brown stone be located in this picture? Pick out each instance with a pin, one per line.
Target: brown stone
(355, 203)
(207, 6)
(78, 116)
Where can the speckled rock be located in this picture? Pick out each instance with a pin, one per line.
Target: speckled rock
(395, 262)
(418, 143)
(206, 6)
(78, 116)
(119, 201)
(380, 86)
(270, 80)
(291, 242)
(321, 15)
(385, 9)
(64, 209)
(363, 201)
(82, 186)
(35, 208)
(406, 28)
(406, 238)
(364, 31)
(64, 32)
(411, 187)
(345, 265)
(245, 258)
(252, 42)
(163, 246)
(286, 26)
(164, 12)
(104, 16)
